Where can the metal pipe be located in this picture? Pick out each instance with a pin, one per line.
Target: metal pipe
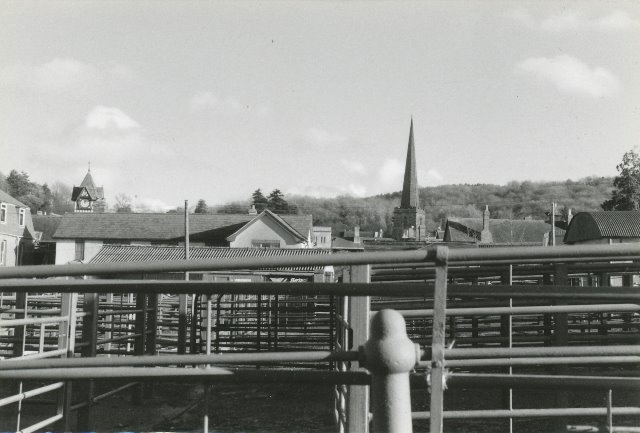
(543, 381)
(31, 393)
(515, 254)
(38, 426)
(536, 309)
(530, 413)
(561, 360)
(499, 352)
(191, 374)
(261, 358)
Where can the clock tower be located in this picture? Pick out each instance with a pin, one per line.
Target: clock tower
(88, 197)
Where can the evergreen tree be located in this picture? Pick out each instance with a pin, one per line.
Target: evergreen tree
(201, 207)
(277, 203)
(626, 193)
(259, 200)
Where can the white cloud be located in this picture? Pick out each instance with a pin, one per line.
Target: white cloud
(323, 138)
(429, 177)
(571, 75)
(391, 173)
(355, 167)
(572, 20)
(63, 75)
(101, 117)
(207, 101)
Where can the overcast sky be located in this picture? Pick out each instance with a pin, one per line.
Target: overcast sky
(187, 100)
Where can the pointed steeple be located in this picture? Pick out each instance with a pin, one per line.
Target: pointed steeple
(410, 185)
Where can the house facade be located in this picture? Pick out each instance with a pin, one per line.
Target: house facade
(17, 235)
(80, 236)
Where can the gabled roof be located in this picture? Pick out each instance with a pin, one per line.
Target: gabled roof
(6, 198)
(603, 224)
(268, 214)
(503, 231)
(158, 227)
(95, 193)
(12, 226)
(129, 253)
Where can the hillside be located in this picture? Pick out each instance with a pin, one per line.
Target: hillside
(514, 200)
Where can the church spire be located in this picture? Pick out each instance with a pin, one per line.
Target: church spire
(410, 185)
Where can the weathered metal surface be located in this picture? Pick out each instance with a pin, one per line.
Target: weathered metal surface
(390, 355)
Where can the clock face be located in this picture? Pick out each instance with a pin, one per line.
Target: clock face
(84, 203)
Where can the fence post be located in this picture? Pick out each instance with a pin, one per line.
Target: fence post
(89, 350)
(358, 314)
(561, 335)
(140, 339)
(390, 355)
(66, 339)
(152, 338)
(438, 341)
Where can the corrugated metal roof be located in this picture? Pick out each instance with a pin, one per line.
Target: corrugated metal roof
(151, 253)
(149, 226)
(603, 224)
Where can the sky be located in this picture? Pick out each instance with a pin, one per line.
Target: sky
(183, 100)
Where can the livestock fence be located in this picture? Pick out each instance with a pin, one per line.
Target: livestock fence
(405, 330)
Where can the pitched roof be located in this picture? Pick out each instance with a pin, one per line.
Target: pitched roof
(268, 214)
(130, 253)
(503, 231)
(6, 198)
(410, 184)
(603, 224)
(87, 182)
(149, 226)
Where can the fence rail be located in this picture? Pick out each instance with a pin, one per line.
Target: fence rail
(372, 361)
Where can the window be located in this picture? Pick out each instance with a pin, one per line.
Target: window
(79, 250)
(3, 253)
(21, 217)
(262, 243)
(3, 212)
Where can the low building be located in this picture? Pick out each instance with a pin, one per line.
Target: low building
(17, 235)
(488, 232)
(604, 227)
(80, 236)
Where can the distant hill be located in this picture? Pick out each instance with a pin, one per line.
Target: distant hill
(513, 200)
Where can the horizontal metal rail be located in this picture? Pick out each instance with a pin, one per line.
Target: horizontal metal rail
(543, 381)
(191, 374)
(33, 356)
(32, 393)
(539, 309)
(520, 352)
(559, 360)
(38, 426)
(515, 254)
(346, 289)
(256, 358)
(530, 413)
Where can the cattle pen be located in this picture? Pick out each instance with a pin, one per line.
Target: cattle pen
(401, 328)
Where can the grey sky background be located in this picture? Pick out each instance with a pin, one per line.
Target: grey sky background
(187, 100)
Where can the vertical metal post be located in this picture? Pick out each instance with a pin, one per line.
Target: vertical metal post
(507, 329)
(19, 334)
(182, 298)
(205, 397)
(610, 411)
(90, 336)
(390, 355)
(561, 335)
(359, 310)
(140, 341)
(66, 340)
(438, 341)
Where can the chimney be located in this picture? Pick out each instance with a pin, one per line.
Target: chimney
(252, 210)
(485, 235)
(356, 235)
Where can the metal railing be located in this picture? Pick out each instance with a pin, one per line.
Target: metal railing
(373, 360)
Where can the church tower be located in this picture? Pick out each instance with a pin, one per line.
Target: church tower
(409, 219)
(88, 197)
